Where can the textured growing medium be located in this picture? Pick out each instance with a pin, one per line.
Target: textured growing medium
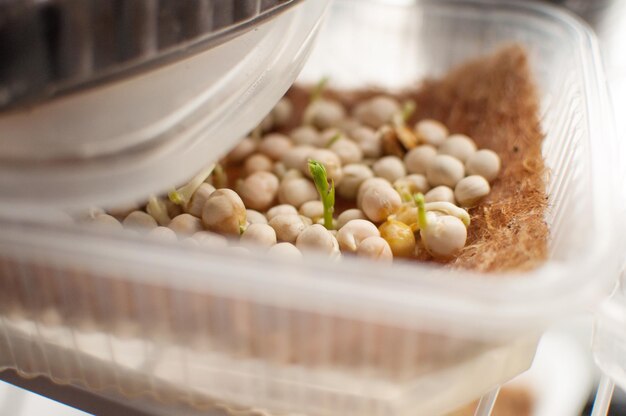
(493, 100)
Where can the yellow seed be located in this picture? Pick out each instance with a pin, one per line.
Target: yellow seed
(407, 213)
(399, 236)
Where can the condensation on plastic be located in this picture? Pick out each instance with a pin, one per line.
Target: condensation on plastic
(121, 142)
(348, 338)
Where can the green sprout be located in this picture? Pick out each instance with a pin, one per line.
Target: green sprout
(405, 113)
(326, 191)
(182, 196)
(421, 210)
(316, 92)
(333, 140)
(158, 210)
(404, 192)
(408, 109)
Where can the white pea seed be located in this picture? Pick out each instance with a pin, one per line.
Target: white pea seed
(312, 209)
(282, 112)
(162, 234)
(105, 222)
(375, 248)
(296, 192)
(275, 145)
(349, 215)
(285, 251)
(209, 239)
(390, 168)
(353, 176)
(261, 235)
(259, 190)
(140, 221)
(283, 209)
(412, 184)
(348, 124)
(185, 224)
(418, 159)
(173, 209)
(305, 136)
(459, 146)
(324, 113)
(292, 174)
(408, 212)
(123, 210)
(379, 202)
(255, 217)
(347, 150)
(376, 111)
(297, 157)
(369, 183)
(485, 163)
(244, 148)
(224, 212)
(440, 194)
(354, 232)
(369, 162)
(194, 207)
(445, 235)
(431, 132)
(445, 170)
(331, 162)
(446, 208)
(257, 163)
(316, 238)
(305, 220)
(368, 141)
(470, 190)
(287, 227)
(279, 169)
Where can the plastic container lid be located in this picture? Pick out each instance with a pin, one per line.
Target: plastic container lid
(124, 140)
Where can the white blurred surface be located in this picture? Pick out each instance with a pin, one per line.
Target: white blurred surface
(561, 377)
(15, 401)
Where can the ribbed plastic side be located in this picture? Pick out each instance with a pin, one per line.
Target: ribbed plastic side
(199, 347)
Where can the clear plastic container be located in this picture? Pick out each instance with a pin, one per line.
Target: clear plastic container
(129, 138)
(350, 338)
(609, 347)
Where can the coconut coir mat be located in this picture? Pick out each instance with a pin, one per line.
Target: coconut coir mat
(493, 100)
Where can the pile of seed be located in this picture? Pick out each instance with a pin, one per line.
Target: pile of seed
(401, 190)
(491, 99)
